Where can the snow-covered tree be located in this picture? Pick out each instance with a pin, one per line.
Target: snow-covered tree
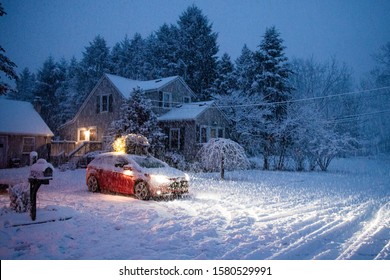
(6, 65)
(25, 86)
(375, 119)
(244, 70)
(49, 79)
(271, 84)
(164, 51)
(68, 98)
(225, 81)
(137, 117)
(94, 63)
(273, 73)
(221, 154)
(198, 50)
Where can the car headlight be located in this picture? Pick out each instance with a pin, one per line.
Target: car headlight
(160, 179)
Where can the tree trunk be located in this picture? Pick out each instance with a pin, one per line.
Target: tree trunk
(223, 168)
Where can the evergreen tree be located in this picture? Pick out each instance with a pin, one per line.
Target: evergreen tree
(95, 62)
(271, 84)
(67, 95)
(25, 86)
(165, 51)
(273, 72)
(198, 49)
(224, 82)
(138, 58)
(6, 65)
(244, 70)
(49, 79)
(120, 58)
(137, 117)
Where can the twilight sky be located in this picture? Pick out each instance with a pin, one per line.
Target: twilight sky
(350, 30)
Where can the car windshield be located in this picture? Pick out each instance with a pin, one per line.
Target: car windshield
(148, 162)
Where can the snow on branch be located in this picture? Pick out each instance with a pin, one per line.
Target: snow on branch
(221, 154)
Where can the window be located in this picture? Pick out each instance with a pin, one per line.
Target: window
(28, 145)
(174, 138)
(204, 137)
(104, 103)
(87, 134)
(208, 132)
(167, 99)
(186, 99)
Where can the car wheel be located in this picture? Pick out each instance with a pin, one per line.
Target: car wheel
(141, 191)
(93, 184)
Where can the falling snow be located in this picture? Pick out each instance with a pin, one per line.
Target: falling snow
(340, 214)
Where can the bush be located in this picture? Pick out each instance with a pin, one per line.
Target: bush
(20, 197)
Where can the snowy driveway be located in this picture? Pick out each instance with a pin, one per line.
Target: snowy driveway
(340, 214)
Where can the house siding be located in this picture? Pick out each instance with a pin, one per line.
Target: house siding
(178, 91)
(189, 129)
(13, 149)
(88, 116)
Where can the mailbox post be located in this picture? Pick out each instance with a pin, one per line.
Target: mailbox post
(40, 174)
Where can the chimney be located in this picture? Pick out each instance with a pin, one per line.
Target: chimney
(37, 104)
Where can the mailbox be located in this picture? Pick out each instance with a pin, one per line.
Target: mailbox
(40, 173)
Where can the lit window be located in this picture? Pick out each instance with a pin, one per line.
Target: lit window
(87, 134)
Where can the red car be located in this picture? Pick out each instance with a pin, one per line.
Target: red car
(142, 176)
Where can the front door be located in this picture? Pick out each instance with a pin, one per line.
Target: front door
(3, 151)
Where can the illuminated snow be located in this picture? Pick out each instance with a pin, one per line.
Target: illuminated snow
(254, 214)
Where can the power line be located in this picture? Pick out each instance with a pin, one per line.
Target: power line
(276, 103)
(307, 99)
(352, 117)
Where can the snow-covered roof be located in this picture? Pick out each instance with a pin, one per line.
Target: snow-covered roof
(187, 111)
(20, 117)
(126, 86)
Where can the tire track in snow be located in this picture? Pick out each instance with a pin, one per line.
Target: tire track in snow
(325, 232)
(380, 223)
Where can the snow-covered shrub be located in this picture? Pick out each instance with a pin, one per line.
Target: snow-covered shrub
(221, 154)
(20, 197)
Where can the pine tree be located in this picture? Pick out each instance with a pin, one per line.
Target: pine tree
(164, 50)
(120, 58)
(224, 82)
(244, 70)
(49, 79)
(273, 72)
(25, 86)
(6, 65)
(95, 62)
(67, 95)
(271, 83)
(137, 117)
(198, 49)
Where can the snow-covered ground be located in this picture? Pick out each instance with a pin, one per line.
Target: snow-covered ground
(340, 214)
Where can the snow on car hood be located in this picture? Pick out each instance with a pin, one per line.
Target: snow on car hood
(166, 171)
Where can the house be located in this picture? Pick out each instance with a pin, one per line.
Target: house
(22, 130)
(186, 124)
